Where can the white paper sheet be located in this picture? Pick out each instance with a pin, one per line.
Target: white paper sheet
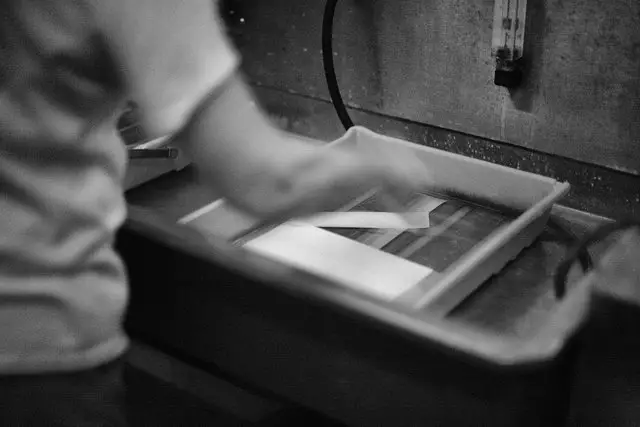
(339, 259)
(416, 218)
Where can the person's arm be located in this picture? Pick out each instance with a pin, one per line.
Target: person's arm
(263, 170)
(180, 69)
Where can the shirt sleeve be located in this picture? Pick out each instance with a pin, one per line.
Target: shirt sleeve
(171, 54)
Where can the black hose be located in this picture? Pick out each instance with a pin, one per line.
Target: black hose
(560, 279)
(329, 68)
(568, 238)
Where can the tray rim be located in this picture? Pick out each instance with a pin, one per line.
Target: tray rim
(442, 297)
(460, 339)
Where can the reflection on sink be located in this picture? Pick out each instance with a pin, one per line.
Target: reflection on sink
(220, 219)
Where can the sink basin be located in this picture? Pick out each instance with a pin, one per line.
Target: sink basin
(358, 361)
(501, 355)
(271, 329)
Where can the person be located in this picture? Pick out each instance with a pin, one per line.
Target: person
(67, 69)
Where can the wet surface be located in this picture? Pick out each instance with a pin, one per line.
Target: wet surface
(443, 244)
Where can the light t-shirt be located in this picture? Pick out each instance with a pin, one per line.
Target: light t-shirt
(66, 69)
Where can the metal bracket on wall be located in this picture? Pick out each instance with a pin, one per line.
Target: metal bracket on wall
(509, 21)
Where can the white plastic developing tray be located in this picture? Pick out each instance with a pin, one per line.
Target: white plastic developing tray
(477, 218)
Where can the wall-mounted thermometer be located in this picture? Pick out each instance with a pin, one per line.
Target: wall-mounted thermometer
(509, 19)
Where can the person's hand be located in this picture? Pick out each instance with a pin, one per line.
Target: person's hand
(400, 172)
(400, 175)
(275, 176)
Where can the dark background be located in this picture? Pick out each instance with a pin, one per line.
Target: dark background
(422, 70)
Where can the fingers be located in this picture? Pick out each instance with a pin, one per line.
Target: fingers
(413, 220)
(404, 175)
(403, 168)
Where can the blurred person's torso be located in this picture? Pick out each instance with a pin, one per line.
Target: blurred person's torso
(62, 286)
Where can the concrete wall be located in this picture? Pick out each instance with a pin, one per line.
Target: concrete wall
(429, 61)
